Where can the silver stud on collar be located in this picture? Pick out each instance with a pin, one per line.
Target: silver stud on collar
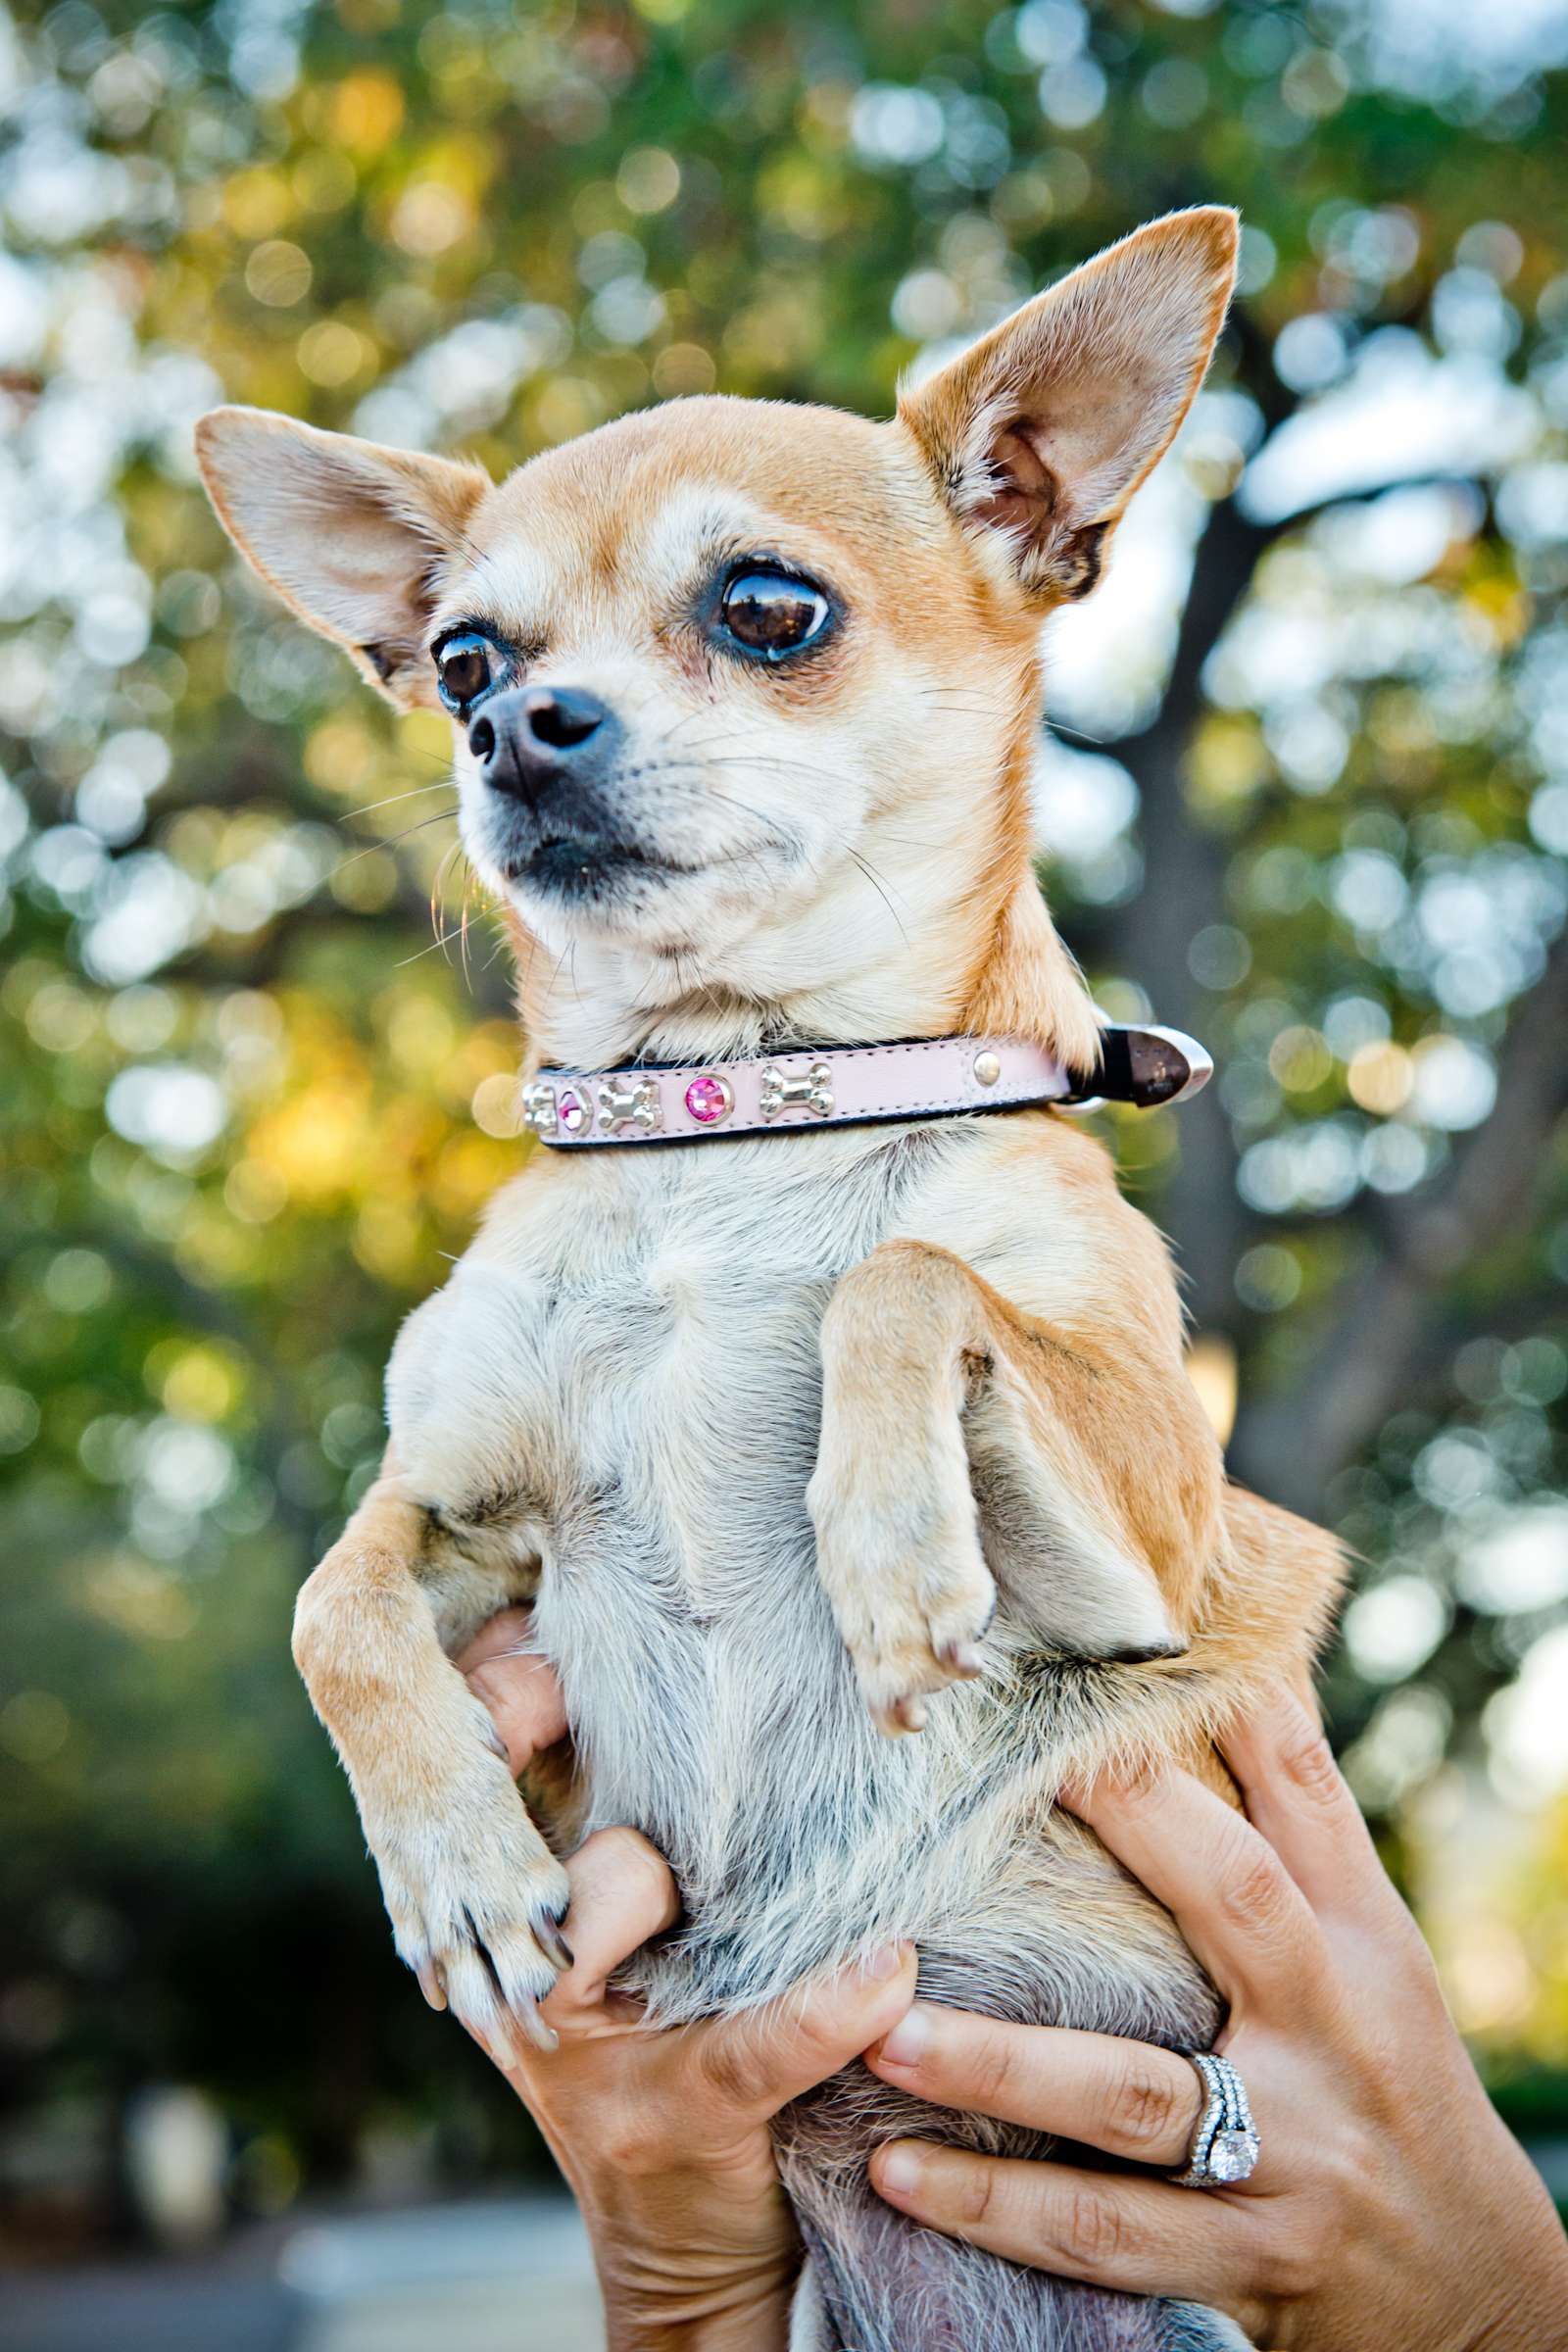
(987, 1068)
(636, 1105)
(813, 1092)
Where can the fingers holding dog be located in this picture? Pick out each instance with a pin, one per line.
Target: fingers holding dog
(519, 1689)
(1233, 1899)
(622, 1892)
(742, 2070)
(1125, 2097)
(1143, 2236)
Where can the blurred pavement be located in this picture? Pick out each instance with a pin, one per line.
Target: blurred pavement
(501, 2278)
(512, 2276)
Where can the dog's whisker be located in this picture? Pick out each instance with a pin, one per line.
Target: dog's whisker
(351, 816)
(390, 840)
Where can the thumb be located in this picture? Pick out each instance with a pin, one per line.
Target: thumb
(743, 2069)
(520, 1689)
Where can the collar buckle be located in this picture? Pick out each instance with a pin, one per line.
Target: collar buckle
(1146, 1065)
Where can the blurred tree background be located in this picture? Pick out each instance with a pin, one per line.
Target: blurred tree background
(1306, 793)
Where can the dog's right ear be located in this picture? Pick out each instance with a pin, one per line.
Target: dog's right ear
(356, 538)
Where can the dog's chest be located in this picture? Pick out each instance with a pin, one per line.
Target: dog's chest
(624, 1371)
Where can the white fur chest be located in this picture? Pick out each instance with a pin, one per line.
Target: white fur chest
(627, 1357)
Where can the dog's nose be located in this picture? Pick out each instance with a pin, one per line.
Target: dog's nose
(533, 731)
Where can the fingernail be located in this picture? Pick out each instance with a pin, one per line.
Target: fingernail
(885, 1962)
(909, 2040)
(899, 2170)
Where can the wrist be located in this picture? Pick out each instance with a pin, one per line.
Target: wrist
(707, 2272)
(691, 2304)
(742, 2322)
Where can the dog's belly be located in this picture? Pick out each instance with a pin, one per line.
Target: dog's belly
(626, 1387)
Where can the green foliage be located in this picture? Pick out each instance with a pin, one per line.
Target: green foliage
(251, 1106)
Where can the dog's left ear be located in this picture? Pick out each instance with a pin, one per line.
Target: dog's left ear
(1042, 430)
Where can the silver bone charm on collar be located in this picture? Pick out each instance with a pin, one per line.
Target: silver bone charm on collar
(539, 1108)
(636, 1105)
(813, 1092)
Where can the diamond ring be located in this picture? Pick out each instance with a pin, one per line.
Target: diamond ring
(1224, 2145)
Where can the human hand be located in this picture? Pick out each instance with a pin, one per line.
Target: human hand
(1389, 2207)
(663, 2135)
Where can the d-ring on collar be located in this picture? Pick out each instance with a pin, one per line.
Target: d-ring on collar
(848, 1086)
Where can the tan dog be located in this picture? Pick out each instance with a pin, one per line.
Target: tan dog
(783, 1437)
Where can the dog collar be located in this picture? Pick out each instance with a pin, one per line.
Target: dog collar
(851, 1086)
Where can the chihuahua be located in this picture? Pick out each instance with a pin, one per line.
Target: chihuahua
(828, 1409)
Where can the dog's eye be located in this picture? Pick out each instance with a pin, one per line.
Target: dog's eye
(772, 615)
(462, 669)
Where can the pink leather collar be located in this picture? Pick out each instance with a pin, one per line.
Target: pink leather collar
(845, 1085)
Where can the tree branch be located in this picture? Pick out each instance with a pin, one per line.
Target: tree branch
(1184, 891)
(1377, 1335)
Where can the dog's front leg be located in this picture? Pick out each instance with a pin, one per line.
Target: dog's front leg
(474, 1893)
(966, 1446)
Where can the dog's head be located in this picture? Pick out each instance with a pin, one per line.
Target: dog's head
(745, 695)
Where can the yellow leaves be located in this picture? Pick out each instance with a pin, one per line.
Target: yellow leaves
(387, 1240)
(1226, 764)
(256, 203)
(369, 16)
(429, 218)
(203, 1382)
(460, 57)
(796, 192)
(424, 736)
(496, 1106)
(139, 1599)
(683, 368)
(1300, 1060)
(338, 756)
(439, 204)
(567, 406)
(60, 1019)
(278, 274)
(324, 180)
(365, 112)
(318, 1143)
(776, 335)
(421, 1034)
(648, 181)
(1379, 1078)
(822, 117)
(1212, 1369)
(254, 1193)
(382, 1128)
(468, 1170)
(214, 1251)
(332, 354)
(366, 881)
(1502, 605)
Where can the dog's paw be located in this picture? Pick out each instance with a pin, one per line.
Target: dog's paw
(910, 1586)
(476, 1901)
(907, 1644)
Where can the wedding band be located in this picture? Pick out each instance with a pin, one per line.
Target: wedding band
(1224, 2145)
